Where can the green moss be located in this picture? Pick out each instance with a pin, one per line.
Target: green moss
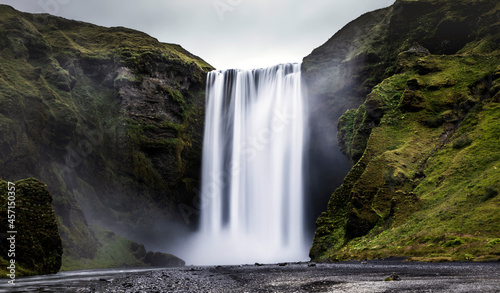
(101, 43)
(422, 179)
(462, 142)
(493, 242)
(69, 115)
(489, 193)
(114, 251)
(352, 133)
(482, 46)
(172, 125)
(38, 247)
(126, 77)
(454, 243)
(143, 169)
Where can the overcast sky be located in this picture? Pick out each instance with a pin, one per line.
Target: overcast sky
(225, 33)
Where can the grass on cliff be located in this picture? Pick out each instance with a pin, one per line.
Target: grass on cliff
(59, 89)
(114, 251)
(433, 172)
(20, 271)
(459, 218)
(98, 42)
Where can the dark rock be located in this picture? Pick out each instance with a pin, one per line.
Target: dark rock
(38, 246)
(425, 67)
(109, 118)
(393, 277)
(160, 259)
(412, 101)
(413, 84)
(127, 285)
(375, 109)
(419, 50)
(361, 218)
(138, 250)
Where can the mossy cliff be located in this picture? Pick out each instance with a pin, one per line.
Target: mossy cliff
(109, 118)
(30, 236)
(36, 248)
(421, 80)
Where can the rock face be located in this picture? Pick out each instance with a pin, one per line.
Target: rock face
(159, 259)
(421, 94)
(109, 118)
(37, 245)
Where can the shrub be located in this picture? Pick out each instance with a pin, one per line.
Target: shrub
(489, 193)
(454, 243)
(468, 257)
(493, 242)
(462, 141)
(433, 121)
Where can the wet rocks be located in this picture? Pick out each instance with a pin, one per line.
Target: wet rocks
(418, 49)
(393, 277)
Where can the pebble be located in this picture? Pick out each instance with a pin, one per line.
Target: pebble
(299, 277)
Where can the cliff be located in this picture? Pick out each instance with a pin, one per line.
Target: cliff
(109, 118)
(415, 89)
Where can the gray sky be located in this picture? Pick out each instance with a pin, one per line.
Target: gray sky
(225, 33)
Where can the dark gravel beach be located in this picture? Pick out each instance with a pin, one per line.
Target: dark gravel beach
(297, 277)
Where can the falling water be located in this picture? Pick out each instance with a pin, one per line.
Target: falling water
(252, 182)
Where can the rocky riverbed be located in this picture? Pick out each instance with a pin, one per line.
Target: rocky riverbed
(370, 276)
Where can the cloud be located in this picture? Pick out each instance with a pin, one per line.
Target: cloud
(226, 33)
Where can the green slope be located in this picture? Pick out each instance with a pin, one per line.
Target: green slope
(424, 144)
(109, 118)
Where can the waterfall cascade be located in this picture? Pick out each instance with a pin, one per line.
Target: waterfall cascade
(252, 182)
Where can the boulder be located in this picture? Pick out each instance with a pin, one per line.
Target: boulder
(37, 248)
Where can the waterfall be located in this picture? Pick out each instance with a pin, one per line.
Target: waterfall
(252, 181)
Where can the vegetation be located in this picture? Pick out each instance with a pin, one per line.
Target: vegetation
(37, 248)
(109, 118)
(424, 146)
(117, 251)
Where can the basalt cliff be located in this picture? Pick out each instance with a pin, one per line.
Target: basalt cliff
(413, 92)
(111, 120)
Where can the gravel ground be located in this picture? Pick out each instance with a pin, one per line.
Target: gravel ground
(295, 277)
